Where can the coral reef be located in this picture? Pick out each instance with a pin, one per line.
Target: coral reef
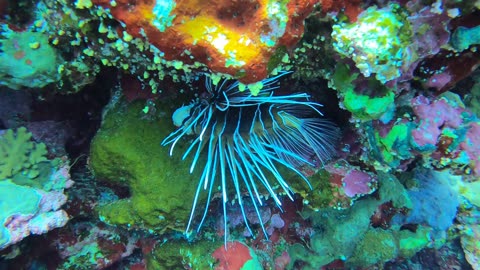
(177, 255)
(91, 179)
(435, 199)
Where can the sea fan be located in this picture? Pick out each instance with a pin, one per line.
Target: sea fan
(245, 138)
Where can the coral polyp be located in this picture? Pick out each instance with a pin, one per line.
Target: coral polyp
(245, 138)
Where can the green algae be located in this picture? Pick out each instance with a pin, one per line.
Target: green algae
(377, 245)
(320, 195)
(127, 151)
(180, 255)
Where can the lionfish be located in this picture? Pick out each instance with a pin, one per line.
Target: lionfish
(245, 138)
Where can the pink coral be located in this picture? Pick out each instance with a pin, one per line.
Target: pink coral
(446, 129)
(357, 183)
(351, 181)
(433, 117)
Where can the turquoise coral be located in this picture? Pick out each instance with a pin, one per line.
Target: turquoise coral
(464, 37)
(31, 188)
(395, 144)
(27, 60)
(16, 200)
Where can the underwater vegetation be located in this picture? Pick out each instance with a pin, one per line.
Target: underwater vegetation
(239, 134)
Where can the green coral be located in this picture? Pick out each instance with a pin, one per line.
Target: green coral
(395, 145)
(85, 258)
(377, 245)
(412, 242)
(127, 150)
(364, 106)
(18, 153)
(342, 79)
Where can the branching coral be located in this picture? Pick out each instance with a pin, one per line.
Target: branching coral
(18, 153)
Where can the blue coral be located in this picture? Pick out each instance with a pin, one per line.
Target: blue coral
(435, 200)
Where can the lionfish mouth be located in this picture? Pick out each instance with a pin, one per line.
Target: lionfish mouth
(246, 137)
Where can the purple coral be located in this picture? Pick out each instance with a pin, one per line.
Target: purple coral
(445, 123)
